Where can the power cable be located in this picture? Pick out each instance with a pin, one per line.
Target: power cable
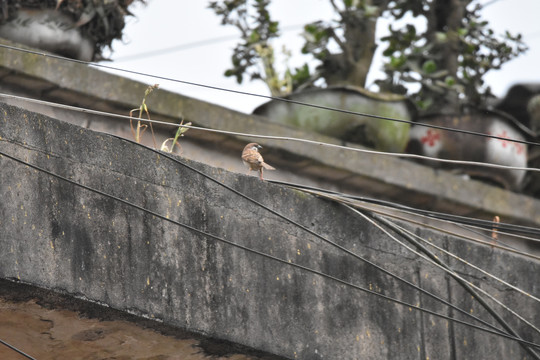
(341, 249)
(239, 92)
(409, 220)
(271, 257)
(17, 350)
(467, 285)
(513, 287)
(180, 47)
(281, 138)
(445, 269)
(324, 239)
(484, 224)
(463, 283)
(395, 120)
(187, 46)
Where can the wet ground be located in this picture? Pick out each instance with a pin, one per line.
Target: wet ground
(48, 327)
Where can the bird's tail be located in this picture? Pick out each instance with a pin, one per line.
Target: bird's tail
(267, 167)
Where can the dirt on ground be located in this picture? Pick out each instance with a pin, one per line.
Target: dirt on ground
(47, 332)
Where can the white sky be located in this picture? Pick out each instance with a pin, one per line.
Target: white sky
(163, 24)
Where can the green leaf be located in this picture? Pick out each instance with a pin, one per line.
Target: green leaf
(254, 37)
(441, 37)
(397, 62)
(371, 11)
(429, 67)
(273, 27)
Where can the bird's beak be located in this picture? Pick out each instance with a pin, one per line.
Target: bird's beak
(259, 146)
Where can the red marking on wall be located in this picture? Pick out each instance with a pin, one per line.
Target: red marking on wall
(431, 138)
(505, 136)
(518, 148)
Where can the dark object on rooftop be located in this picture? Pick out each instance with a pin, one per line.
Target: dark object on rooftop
(516, 102)
(79, 29)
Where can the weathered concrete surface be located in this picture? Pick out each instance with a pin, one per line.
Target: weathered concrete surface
(59, 236)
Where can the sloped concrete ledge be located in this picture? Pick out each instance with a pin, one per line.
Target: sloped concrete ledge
(59, 236)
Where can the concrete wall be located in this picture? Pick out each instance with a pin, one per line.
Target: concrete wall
(59, 236)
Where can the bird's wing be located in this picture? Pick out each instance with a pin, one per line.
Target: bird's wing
(252, 157)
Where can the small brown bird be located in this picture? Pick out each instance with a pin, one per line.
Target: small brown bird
(253, 160)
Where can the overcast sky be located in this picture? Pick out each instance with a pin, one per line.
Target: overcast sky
(204, 47)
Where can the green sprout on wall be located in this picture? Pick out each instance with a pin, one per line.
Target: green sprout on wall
(182, 128)
(141, 128)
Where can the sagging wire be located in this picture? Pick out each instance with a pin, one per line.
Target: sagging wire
(467, 285)
(463, 236)
(20, 352)
(483, 224)
(355, 113)
(271, 137)
(327, 241)
(437, 263)
(352, 205)
(513, 287)
(416, 212)
(191, 45)
(499, 245)
(478, 231)
(239, 92)
(271, 257)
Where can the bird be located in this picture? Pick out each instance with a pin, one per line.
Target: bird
(254, 160)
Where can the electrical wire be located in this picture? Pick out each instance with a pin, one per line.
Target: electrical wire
(191, 45)
(17, 350)
(487, 243)
(298, 225)
(513, 287)
(281, 138)
(499, 244)
(239, 92)
(479, 231)
(442, 267)
(268, 256)
(349, 252)
(467, 285)
(409, 220)
(434, 215)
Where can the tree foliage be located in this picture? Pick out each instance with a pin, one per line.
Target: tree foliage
(450, 59)
(447, 62)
